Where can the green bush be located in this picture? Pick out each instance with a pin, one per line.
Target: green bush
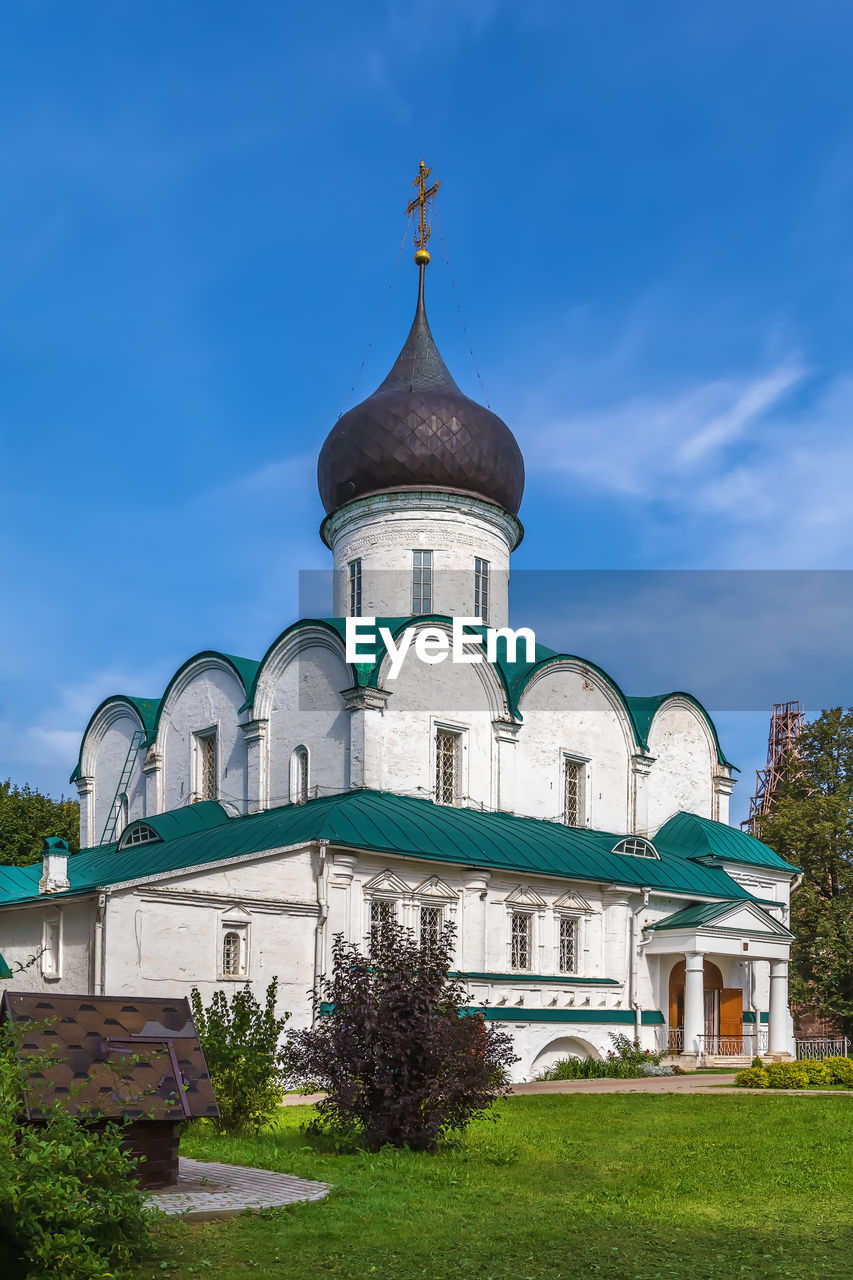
(840, 1071)
(241, 1043)
(70, 1208)
(753, 1078)
(808, 1073)
(625, 1061)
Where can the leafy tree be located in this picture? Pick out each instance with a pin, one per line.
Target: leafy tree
(27, 816)
(812, 825)
(70, 1207)
(401, 1057)
(242, 1048)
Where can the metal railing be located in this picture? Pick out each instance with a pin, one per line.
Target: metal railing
(748, 1045)
(823, 1047)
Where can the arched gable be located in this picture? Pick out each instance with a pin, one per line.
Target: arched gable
(110, 763)
(298, 694)
(687, 759)
(203, 698)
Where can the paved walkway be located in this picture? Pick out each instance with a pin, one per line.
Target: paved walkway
(647, 1084)
(207, 1189)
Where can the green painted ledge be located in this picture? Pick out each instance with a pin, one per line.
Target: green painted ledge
(536, 977)
(649, 1017)
(749, 1016)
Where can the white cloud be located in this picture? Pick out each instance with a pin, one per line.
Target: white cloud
(742, 474)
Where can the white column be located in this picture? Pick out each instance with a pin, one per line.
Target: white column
(86, 792)
(472, 950)
(257, 764)
(641, 768)
(365, 763)
(778, 1029)
(694, 1001)
(506, 736)
(153, 770)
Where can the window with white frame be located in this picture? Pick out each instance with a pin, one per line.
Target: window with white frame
(234, 950)
(636, 847)
(299, 776)
(355, 588)
(481, 589)
(205, 745)
(448, 758)
(383, 914)
(421, 582)
(573, 792)
(521, 940)
(569, 944)
(51, 947)
(141, 834)
(432, 923)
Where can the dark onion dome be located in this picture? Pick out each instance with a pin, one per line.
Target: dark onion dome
(418, 431)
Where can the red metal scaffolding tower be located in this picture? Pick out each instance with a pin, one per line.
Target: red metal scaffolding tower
(786, 722)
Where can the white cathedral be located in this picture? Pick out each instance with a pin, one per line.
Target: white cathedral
(577, 837)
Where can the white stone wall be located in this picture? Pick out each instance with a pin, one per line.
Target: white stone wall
(21, 929)
(569, 710)
(685, 765)
(384, 530)
(207, 695)
(105, 748)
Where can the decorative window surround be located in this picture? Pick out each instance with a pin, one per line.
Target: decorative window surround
(449, 763)
(233, 950)
(51, 947)
(205, 765)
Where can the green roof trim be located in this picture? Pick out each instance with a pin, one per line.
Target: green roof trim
(148, 710)
(245, 669)
(706, 913)
(749, 1016)
(705, 838)
(537, 978)
(388, 824)
(592, 1017)
(514, 676)
(5, 971)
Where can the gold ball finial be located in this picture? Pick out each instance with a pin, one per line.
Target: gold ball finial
(422, 257)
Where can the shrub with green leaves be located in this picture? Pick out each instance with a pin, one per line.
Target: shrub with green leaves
(625, 1061)
(242, 1046)
(70, 1208)
(402, 1058)
(806, 1074)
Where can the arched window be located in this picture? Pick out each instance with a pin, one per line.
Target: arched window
(299, 776)
(636, 847)
(231, 949)
(139, 833)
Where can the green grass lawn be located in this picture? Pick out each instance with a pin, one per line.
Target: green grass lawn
(632, 1186)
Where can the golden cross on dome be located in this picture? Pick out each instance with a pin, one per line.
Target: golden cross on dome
(419, 204)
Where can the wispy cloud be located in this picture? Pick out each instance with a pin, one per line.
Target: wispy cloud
(753, 466)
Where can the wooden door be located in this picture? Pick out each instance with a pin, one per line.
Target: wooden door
(731, 1019)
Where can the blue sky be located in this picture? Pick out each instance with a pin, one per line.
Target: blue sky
(647, 213)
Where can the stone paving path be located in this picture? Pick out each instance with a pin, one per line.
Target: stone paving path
(647, 1084)
(207, 1189)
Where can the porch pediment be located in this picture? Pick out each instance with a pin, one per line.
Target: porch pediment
(733, 917)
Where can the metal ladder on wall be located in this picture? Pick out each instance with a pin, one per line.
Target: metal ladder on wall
(111, 823)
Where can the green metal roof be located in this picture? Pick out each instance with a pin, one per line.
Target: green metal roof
(382, 822)
(246, 669)
(707, 839)
(706, 913)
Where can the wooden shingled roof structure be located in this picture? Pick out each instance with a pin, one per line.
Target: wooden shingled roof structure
(111, 1056)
